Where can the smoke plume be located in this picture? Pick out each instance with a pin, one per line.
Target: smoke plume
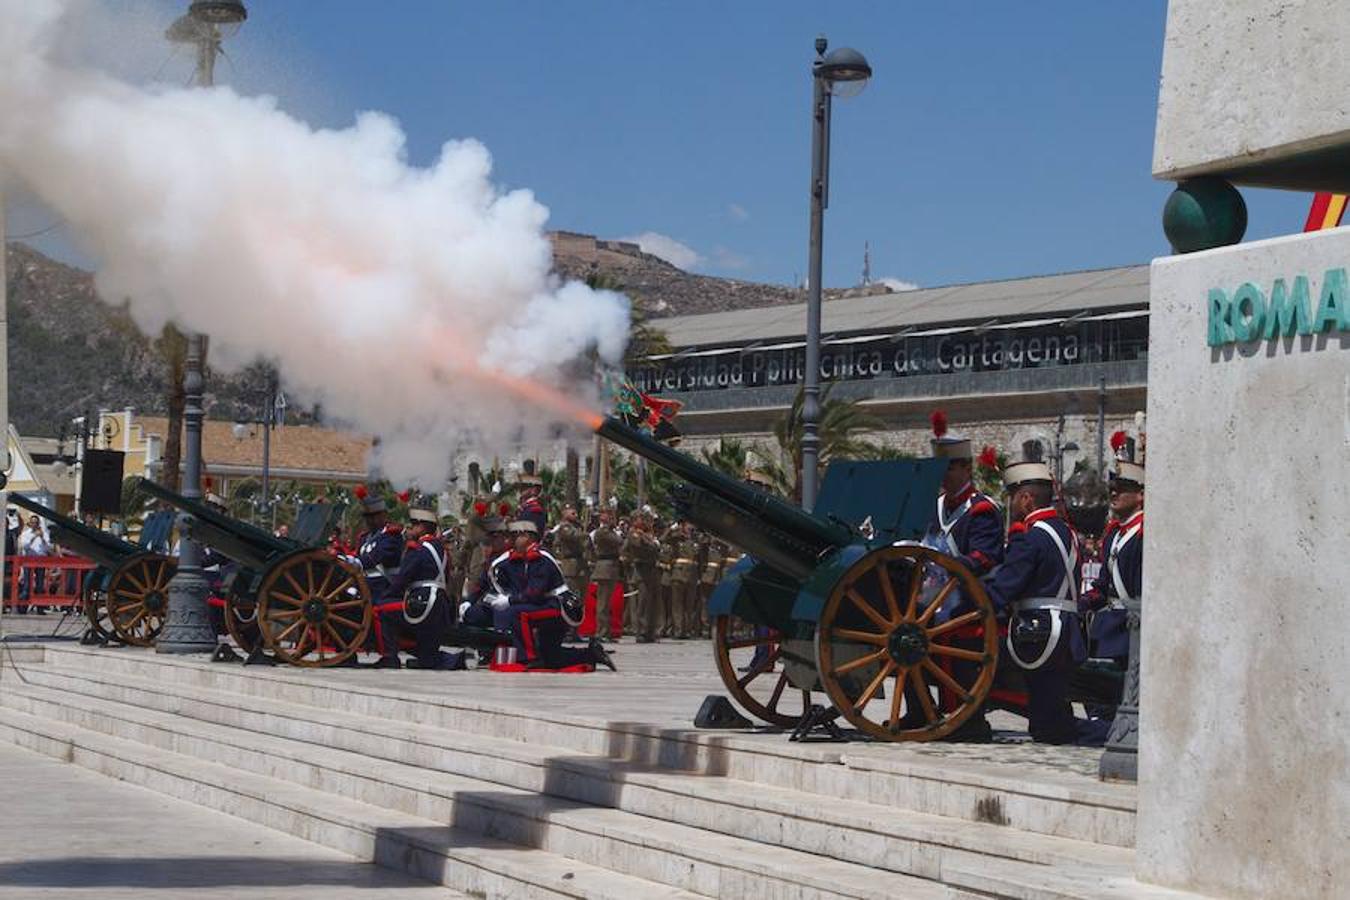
(392, 295)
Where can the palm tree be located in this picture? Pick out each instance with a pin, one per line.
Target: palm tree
(838, 428)
(172, 348)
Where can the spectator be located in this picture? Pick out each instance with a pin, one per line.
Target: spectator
(33, 542)
(11, 546)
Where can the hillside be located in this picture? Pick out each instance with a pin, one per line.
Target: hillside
(70, 353)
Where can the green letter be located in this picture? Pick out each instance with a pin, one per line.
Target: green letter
(1331, 312)
(1247, 323)
(1219, 332)
(1287, 314)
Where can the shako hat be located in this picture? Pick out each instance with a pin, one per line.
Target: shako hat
(1022, 473)
(945, 444)
(521, 526)
(527, 479)
(370, 504)
(1127, 472)
(422, 514)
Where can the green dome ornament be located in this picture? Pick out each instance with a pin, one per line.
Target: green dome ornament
(1204, 213)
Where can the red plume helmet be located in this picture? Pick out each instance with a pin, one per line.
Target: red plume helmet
(480, 509)
(939, 420)
(360, 492)
(404, 496)
(504, 509)
(208, 482)
(1117, 441)
(988, 458)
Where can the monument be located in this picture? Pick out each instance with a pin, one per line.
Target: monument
(1244, 766)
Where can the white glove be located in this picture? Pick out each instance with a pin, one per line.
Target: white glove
(497, 601)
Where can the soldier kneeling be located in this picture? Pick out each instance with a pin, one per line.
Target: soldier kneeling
(536, 595)
(421, 584)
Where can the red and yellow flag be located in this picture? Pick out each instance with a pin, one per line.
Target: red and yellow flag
(1326, 211)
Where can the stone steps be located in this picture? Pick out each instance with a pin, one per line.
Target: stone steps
(472, 863)
(915, 843)
(703, 862)
(710, 834)
(1027, 799)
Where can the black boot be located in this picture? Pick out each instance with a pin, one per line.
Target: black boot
(600, 656)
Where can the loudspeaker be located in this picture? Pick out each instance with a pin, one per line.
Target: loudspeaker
(717, 712)
(101, 484)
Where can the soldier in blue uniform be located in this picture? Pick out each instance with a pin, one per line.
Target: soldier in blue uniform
(969, 526)
(531, 506)
(1037, 587)
(379, 549)
(533, 586)
(416, 599)
(1122, 573)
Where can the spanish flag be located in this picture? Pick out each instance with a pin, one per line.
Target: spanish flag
(1326, 212)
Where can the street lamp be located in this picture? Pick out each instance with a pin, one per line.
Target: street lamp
(843, 73)
(187, 625)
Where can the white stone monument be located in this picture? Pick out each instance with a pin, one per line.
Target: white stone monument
(1244, 748)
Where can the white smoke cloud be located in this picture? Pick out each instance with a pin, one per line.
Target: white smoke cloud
(378, 288)
(677, 253)
(896, 284)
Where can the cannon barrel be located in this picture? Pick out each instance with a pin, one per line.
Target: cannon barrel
(240, 541)
(99, 546)
(779, 533)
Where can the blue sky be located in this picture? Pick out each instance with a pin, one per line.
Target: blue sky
(995, 140)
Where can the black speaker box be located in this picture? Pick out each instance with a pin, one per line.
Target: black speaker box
(101, 484)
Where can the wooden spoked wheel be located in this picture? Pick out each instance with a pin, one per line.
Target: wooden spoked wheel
(138, 598)
(314, 609)
(241, 622)
(880, 629)
(95, 609)
(762, 689)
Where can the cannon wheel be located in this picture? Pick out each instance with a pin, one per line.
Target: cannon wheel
(731, 633)
(878, 616)
(138, 598)
(241, 618)
(95, 608)
(314, 609)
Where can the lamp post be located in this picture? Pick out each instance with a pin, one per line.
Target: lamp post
(187, 625)
(272, 405)
(844, 73)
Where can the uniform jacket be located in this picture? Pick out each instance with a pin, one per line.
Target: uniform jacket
(1123, 549)
(977, 534)
(383, 548)
(644, 551)
(569, 545)
(1033, 567)
(418, 564)
(607, 543)
(531, 577)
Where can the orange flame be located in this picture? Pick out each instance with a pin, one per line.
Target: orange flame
(535, 392)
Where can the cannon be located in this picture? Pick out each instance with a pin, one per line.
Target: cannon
(843, 600)
(126, 598)
(305, 605)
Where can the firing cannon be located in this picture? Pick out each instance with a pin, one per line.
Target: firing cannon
(305, 605)
(844, 598)
(127, 596)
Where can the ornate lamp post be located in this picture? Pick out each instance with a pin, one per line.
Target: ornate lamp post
(843, 73)
(272, 409)
(187, 626)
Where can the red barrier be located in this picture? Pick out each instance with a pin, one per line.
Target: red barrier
(45, 580)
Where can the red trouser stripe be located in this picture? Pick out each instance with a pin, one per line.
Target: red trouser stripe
(526, 627)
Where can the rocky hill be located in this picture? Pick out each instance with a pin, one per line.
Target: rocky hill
(70, 353)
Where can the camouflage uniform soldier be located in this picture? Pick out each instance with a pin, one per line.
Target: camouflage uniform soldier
(607, 574)
(644, 550)
(669, 550)
(569, 548)
(684, 583)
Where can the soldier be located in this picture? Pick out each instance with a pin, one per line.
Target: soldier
(714, 552)
(532, 584)
(666, 565)
(606, 542)
(379, 549)
(420, 584)
(1037, 586)
(968, 524)
(531, 506)
(1122, 572)
(644, 551)
(569, 548)
(684, 574)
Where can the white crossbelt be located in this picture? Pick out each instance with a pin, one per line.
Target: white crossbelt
(1113, 563)
(1065, 601)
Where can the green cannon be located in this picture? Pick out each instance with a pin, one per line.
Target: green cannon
(126, 597)
(290, 595)
(842, 600)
